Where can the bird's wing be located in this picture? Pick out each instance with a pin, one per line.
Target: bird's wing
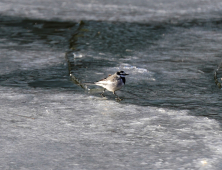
(105, 79)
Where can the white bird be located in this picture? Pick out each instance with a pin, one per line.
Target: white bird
(113, 82)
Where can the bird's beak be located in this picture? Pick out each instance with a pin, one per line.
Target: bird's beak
(126, 74)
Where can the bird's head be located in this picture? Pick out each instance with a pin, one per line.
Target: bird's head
(121, 73)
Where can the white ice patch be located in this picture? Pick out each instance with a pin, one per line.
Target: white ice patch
(143, 11)
(77, 55)
(135, 72)
(28, 60)
(140, 70)
(51, 116)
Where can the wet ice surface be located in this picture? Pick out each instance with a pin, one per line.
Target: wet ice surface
(170, 116)
(50, 130)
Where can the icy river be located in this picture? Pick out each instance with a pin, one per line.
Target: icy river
(171, 113)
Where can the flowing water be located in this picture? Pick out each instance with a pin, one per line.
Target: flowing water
(170, 115)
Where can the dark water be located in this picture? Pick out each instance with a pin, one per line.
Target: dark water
(180, 57)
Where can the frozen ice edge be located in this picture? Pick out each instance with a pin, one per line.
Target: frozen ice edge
(71, 118)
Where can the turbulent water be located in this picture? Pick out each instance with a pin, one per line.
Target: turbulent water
(170, 113)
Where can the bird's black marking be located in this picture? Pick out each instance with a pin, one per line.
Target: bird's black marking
(120, 72)
(123, 79)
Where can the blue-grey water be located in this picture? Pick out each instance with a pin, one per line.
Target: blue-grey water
(171, 113)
